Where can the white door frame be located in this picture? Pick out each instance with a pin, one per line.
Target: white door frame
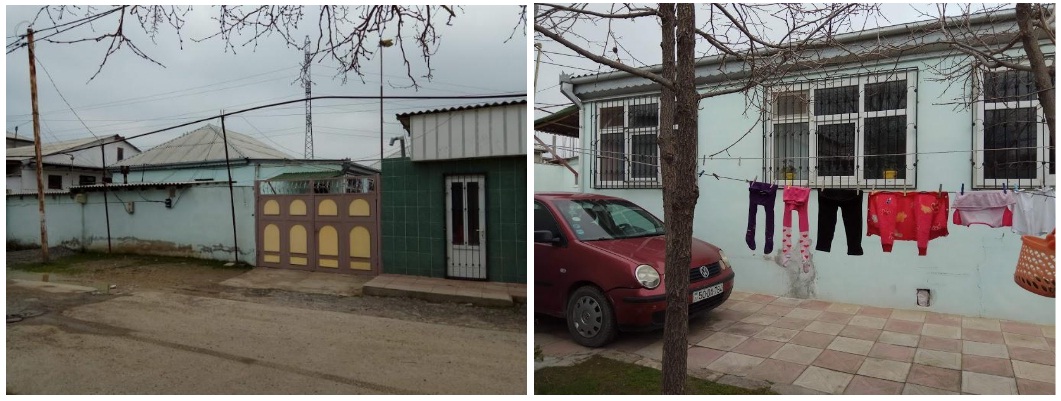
(466, 257)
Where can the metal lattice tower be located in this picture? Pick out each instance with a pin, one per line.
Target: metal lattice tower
(308, 84)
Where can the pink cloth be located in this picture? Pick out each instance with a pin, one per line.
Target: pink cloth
(990, 208)
(917, 216)
(795, 200)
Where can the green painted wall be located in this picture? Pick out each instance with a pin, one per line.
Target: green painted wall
(413, 219)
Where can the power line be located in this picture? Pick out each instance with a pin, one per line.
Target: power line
(38, 61)
(568, 66)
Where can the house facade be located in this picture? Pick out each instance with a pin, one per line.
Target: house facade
(457, 206)
(893, 122)
(65, 164)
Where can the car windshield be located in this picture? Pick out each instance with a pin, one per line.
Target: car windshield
(602, 219)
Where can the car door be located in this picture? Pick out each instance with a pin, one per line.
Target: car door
(549, 262)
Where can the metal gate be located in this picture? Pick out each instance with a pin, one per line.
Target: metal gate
(466, 226)
(319, 224)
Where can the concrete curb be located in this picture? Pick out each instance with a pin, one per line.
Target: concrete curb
(486, 299)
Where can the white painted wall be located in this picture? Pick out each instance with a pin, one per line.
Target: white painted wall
(483, 132)
(970, 272)
(554, 178)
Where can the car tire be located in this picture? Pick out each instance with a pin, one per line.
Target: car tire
(590, 319)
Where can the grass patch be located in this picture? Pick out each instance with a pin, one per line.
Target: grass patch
(599, 375)
(70, 262)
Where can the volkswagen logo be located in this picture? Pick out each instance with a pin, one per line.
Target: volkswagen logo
(704, 271)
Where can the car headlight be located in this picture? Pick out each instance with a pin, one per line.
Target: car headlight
(647, 276)
(724, 260)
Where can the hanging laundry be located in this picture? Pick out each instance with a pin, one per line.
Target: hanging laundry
(917, 216)
(795, 199)
(989, 208)
(849, 201)
(1033, 212)
(760, 193)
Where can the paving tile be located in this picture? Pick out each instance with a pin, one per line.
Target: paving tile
(916, 389)
(715, 324)
(908, 315)
(730, 315)
(939, 359)
(940, 344)
(868, 321)
(885, 369)
(1021, 328)
(873, 311)
(777, 334)
(1033, 371)
(791, 323)
(777, 371)
(797, 354)
(739, 295)
(1032, 355)
(892, 352)
(985, 349)
(942, 331)
(933, 377)
(563, 348)
(735, 364)
(891, 337)
(903, 326)
(744, 306)
(760, 319)
(979, 383)
(825, 380)
(758, 347)
(789, 302)
(700, 357)
(862, 385)
(1020, 340)
(981, 323)
(824, 328)
(652, 351)
(760, 298)
(802, 313)
(775, 310)
(843, 308)
(1048, 331)
(861, 333)
(851, 345)
(834, 317)
(698, 335)
(744, 329)
(984, 336)
(814, 304)
(839, 361)
(809, 339)
(1030, 387)
(987, 365)
(722, 341)
(943, 319)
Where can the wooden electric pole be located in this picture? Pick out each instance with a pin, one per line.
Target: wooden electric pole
(37, 145)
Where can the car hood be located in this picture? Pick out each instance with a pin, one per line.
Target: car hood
(652, 251)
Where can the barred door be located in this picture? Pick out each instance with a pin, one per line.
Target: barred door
(466, 226)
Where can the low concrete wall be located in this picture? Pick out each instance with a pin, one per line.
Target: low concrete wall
(554, 178)
(199, 223)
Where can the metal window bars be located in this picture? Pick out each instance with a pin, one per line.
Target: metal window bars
(624, 143)
(1013, 143)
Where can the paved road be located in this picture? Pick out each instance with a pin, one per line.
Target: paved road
(165, 343)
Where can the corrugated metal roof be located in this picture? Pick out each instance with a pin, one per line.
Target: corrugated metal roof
(34, 192)
(204, 145)
(47, 149)
(307, 175)
(464, 107)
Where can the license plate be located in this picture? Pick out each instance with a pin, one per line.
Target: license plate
(705, 293)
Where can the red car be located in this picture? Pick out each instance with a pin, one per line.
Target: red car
(598, 263)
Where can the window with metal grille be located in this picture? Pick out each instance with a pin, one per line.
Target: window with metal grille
(626, 151)
(1013, 142)
(843, 132)
(86, 180)
(55, 182)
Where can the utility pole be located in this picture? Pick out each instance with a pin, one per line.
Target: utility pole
(37, 145)
(307, 83)
(382, 44)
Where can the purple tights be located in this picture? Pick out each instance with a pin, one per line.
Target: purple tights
(760, 193)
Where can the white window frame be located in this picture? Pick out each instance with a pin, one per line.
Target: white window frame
(628, 134)
(1042, 173)
(858, 180)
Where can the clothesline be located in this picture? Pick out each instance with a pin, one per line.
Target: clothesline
(704, 158)
(744, 180)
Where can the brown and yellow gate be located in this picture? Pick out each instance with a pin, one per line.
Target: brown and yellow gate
(322, 224)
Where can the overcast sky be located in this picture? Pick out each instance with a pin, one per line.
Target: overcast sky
(132, 96)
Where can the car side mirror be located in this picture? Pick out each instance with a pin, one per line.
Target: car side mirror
(546, 236)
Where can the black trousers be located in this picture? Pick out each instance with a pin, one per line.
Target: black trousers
(849, 202)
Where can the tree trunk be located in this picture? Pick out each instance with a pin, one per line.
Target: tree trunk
(678, 162)
(1040, 71)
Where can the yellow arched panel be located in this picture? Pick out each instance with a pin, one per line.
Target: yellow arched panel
(327, 207)
(360, 243)
(328, 241)
(359, 207)
(298, 239)
(271, 208)
(297, 208)
(271, 238)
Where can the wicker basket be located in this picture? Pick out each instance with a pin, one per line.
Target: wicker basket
(1036, 265)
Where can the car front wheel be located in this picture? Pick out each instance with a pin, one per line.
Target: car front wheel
(589, 317)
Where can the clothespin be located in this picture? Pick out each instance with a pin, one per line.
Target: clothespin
(939, 192)
(701, 174)
(963, 189)
(1004, 187)
(716, 176)
(904, 189)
